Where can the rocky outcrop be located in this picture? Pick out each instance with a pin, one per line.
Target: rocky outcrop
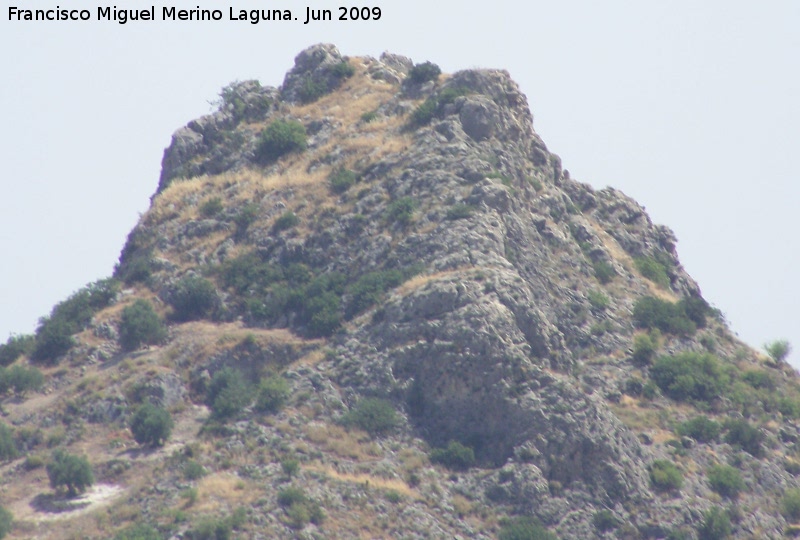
(476, 286)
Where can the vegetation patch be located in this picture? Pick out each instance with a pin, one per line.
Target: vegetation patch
(20, 380)
(744, 436)
(193, 298)
(460, 211)
(151, 425)
(8, 448)
(341, 180)
(211, 207)
(454, 456)
(272, 394)
(605, 521)
(603, 271)
(15, 347)
(424, 72)
(645, 347)
(299, 508)
(690, 376)
(370, 288)
(701, 429)
(665, 476)
(287, 220)
(54, 334)
(140, 325)
(653, 270)
(374, 415)
(280, 138)
(651, 312)
(790, 505)
(725, 480)
(228, 394)
(69, 471)
(524, 528)
(716, 525)
(401, 210)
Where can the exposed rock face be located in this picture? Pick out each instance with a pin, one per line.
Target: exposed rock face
(464, 277)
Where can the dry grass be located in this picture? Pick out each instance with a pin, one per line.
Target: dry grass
(349, 444)
(635, 417)
(462, 505)
(365, 480)
(222, 490)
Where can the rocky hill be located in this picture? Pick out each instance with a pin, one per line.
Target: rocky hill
(370, 303)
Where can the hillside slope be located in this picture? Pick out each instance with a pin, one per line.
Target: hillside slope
(390, 313)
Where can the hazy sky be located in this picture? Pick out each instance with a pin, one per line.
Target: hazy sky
(692, 108)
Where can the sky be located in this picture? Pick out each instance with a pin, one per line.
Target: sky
(691, 108)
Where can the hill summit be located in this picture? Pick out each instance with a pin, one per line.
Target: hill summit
(370, 303)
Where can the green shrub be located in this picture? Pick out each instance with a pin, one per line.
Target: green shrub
(725, 480)
(20, 379)
(665, 476)
(249, 273)
(341, 180)
(245, 217)
(653, 270)
(450, 94)
(54, 333)
(139, 325)
(211, 529)
(228, 394)
(369, 116)
(139, 531)
(716, 525)
(342, 70)
(634, 386)
(272, 394)
(454, 456)
(604, 521)
(280, 138)
(69, 471)
(33, 462)
(644, 348)
(778, 350)
(287, 220)
(6, 522)
(374, 415)
(370, 288)
(603, 271)
(421, 73)
(151, 425)
(701, 429)
(211, 207)
(300, 509)
(651, 312)
(425, 112)
(15, 347)
(524, 528)
(598, 300)
(460, 211)
(696, 309)
(759, 379)
(742, 435)
(193, 298)
(290, 467)
(790, 505)
(311, 89)
(321, 314)
(8, 448)
(291, 495)
(192, 470)
(690, 376)
(401, 210)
